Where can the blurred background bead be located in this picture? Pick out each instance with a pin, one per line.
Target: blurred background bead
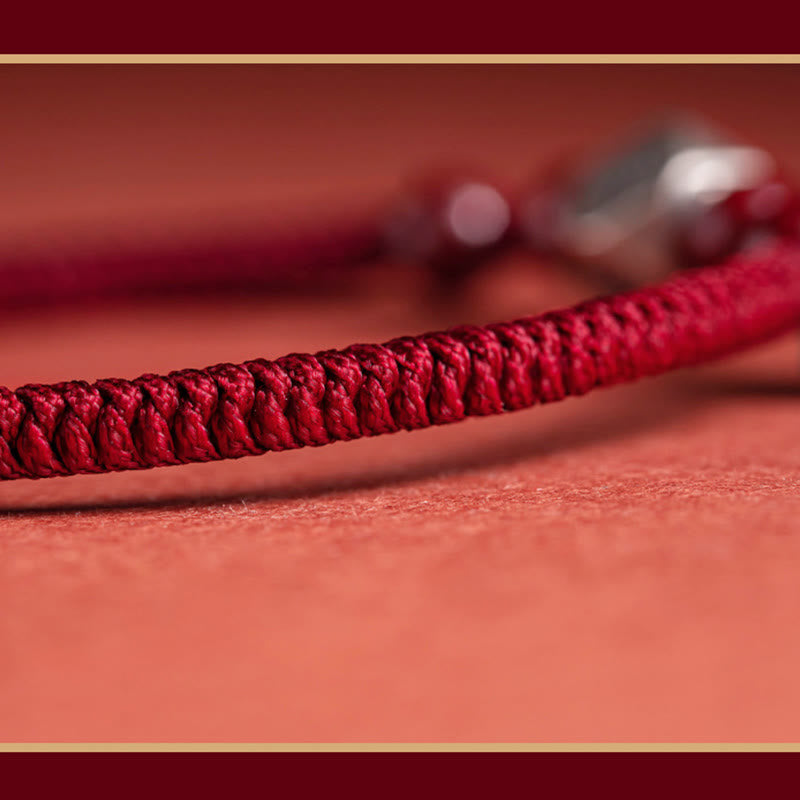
(450, 221)
(709, 236)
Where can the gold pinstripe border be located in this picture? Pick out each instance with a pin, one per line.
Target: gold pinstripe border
(413, 58)
(248, 747)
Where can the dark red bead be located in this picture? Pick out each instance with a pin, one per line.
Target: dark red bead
(448, 220)
(708, 236)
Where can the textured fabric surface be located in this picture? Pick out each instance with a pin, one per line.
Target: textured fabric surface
(617, 567)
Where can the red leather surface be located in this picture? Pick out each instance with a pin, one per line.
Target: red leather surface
(620, 567)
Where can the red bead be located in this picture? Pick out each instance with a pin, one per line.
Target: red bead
(761, 205)
(740, 222)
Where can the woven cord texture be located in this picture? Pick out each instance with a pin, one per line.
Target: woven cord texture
(234, 410)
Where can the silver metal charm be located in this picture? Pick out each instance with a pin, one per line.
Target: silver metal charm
(623, 210)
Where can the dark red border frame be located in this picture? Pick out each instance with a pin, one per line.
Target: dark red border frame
(413, 26)
(399, 774)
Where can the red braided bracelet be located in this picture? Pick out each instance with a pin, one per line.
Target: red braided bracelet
(230, 411)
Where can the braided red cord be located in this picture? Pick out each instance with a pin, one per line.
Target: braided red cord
(229, 411)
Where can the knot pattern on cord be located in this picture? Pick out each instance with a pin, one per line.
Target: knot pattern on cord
(300, 400)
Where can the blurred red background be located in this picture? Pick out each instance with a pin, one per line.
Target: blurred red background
(621, 567)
